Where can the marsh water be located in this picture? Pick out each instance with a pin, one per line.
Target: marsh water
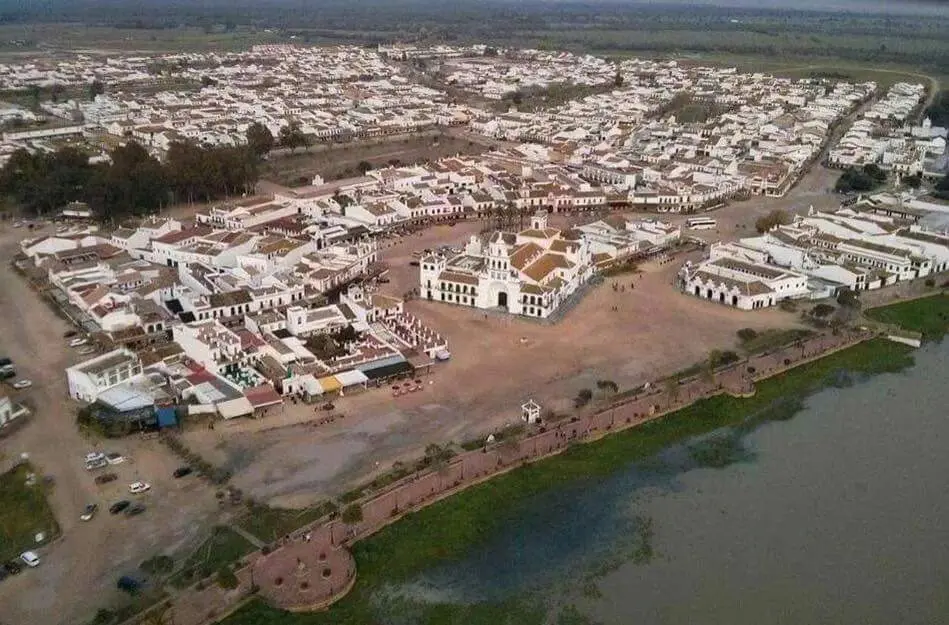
(838, 515)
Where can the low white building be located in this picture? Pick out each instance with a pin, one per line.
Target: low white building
(742, 284)
(87, 380)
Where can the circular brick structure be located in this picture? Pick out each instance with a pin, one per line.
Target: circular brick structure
(304, 575)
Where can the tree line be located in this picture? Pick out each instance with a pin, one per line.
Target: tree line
(133, 182)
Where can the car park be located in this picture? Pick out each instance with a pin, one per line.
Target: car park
(135, 510)
(30, 558)
(22, 384)
(88, 512)
(119, 506)
(139, 487)
(105, 478)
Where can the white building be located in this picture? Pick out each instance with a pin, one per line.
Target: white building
(528, 273)
(742, 284)
(89, 379)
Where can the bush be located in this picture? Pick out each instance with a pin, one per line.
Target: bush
(158, 565)
(822, 310)
(226, 578)
(583, 398)
(352, 514)
(772, 219)
(930, 283)
(746, 334)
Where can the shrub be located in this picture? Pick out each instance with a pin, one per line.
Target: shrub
(772, 219)
(158, 565)
(746, 334)
(583, 398)
(352, 514)
(226, 578)
(822, 310)
(930, 283)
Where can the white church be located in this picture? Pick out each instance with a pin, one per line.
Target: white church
(528, 273)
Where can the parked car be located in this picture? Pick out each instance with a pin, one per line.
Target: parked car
(94, 456)
(12, 567)
(135, 510)
(7, 372)
(128, 584)
(22, 384)
(78, 342)
(413, 263)
(85, 351)
(30, 558)
(119, 506)
(114, 458)
(6, 362)
(139, 487)
(182, 471)
(92, 465)
(88, 512)
(105, 478)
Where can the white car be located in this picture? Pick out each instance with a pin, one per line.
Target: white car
(94, 456)
(22, 384)
(88, 349)
(115, 458)
(30, 558)
(77, 342)
(139, 487)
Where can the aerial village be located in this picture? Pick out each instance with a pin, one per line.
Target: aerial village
(285, 295)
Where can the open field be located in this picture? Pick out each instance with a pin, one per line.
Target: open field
(336, 161)
(24, 511)
(450, 528)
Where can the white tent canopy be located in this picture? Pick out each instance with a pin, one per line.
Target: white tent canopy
(351, 378)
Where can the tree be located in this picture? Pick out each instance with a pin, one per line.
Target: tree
(848, 299)
(363, 167)
(583, 398)
(352, 514)
(746, 334)
(96, 87)
(873, 170)
(913, 181)
(771, 220)
(291, 136)
(259, 139)
(822, 310)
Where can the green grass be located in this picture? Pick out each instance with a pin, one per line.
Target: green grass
(928, 315)
(268, 523)
(222, 548)
(449, 529)
(773, 339)
(24, 512)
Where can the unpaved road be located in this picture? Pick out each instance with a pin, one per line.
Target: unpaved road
(78, 572)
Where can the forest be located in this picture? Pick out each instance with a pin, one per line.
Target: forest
(133, 183)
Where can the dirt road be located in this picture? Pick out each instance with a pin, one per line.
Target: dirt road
(78, 572)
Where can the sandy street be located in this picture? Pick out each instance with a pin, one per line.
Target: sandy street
(79, 571)
(497, 363)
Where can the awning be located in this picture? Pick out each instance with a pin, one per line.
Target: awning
(235, 408)
(351, 378)
(330, 384)
(396, 368)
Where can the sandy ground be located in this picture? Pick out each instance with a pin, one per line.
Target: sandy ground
(78, 572)
(498, 362)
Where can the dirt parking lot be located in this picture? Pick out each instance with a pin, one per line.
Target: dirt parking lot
(79, 571)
